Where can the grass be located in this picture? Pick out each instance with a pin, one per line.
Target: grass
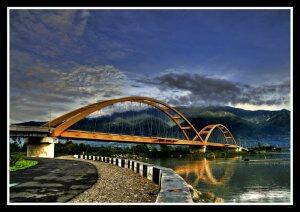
(22, 164)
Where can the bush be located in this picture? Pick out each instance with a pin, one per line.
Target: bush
(17, 146)
(16, 157)
(22, 164)
(140, 149)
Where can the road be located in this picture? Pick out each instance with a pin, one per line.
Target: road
(52, 180)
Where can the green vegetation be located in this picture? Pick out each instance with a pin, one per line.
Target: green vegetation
(264, 149)
(17, 160)
(17, 146)
(16, 156)
(140, 151)
(22, 164)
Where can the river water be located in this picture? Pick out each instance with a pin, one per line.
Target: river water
(262, 179)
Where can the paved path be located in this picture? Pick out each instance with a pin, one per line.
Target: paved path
(116, 185)
(52, 180)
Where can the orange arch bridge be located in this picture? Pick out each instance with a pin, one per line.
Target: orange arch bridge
(60, 126)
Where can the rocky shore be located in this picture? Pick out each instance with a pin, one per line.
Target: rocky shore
(207, 197)
(116, 185)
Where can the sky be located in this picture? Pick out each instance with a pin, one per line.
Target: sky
(64, 59)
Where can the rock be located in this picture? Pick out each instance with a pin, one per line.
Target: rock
(195, 196)
(151, 193)
(195, 193)
(190, 187)
(209, 196)
(198, 193)
(218, 200)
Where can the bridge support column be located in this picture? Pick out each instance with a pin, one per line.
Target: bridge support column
(197, 149)
(40, 147)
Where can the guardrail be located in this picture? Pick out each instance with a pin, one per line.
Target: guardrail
(173, 188)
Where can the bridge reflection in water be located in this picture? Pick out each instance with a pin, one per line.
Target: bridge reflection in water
(207, 171)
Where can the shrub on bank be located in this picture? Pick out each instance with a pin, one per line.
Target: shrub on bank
(16, 156)
(22, 164)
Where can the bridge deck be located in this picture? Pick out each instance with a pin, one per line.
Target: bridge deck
(28, 131)
(97, 136)
(35, 131)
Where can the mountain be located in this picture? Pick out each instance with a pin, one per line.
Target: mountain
(248, 127)
(269, 127)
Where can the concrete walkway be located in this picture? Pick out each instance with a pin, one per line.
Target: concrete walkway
(52, 180)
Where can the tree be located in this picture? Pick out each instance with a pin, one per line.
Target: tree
(165, 150)
(82, 148)
(140, 149)
(153, 153)
(14, 147)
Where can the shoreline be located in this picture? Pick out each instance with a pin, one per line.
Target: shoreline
(116, 185)
(195, 196)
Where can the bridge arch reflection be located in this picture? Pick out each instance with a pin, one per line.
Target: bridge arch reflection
(204, 172)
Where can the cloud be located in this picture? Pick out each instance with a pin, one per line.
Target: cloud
(58, 60)
(47, 32)
(62, 90)
(42, 88)
(65, 35)
(204, 90)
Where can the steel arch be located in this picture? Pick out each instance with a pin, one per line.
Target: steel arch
(206, 132)
(62, 123)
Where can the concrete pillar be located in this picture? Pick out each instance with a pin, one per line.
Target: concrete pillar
(40, 147)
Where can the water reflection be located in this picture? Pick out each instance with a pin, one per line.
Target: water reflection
(235, 180)
(207, 171)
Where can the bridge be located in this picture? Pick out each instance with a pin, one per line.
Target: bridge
(41, 139)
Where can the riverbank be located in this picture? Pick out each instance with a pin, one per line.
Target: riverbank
(209, 154)
(116, 185)
(207, 197)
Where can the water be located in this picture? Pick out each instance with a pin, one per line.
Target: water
(263, 179)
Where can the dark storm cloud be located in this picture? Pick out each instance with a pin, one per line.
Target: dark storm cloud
(205, 90)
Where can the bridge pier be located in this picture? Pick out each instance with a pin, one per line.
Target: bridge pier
(194, 149)
(40, 147)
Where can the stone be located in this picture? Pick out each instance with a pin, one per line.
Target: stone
(209, 196)
(218, 200)
(195, 196)
(198, 193)
(190, 187)
(195, 193)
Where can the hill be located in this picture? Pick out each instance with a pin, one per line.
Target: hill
(248, 127)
